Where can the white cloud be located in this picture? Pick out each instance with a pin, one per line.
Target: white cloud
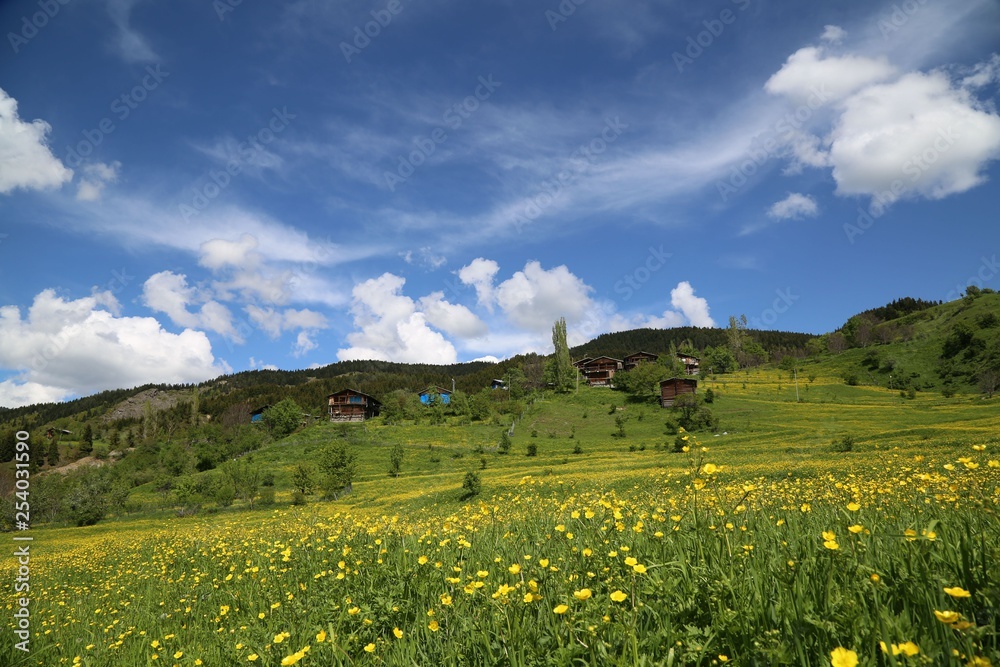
(390, 327)
(219, 253)
(96, 176)
(479, 273)
(793, 207)
(920, 133)
(694, 308)
(274, 323)
(304, 343)
(534, 298)
(25, 158)
(424, 257)
(807, 71)
(833, 34)
(260, 365)
(489, 357)
(453, 319)
(168, 292)
(984, 73)
(81, 346)
(130, 44)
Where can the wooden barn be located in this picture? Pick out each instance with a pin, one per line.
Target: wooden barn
(443, 395)
(674, 387)
(633, 360)
(600, 371)
(691, 364)
(349, 405)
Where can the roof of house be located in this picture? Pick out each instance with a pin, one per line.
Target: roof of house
(663, 382)
(636, 354)
(435, 390)
(353, 391)
(603, 357)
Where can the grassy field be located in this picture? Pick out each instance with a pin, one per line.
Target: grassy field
(761, 545)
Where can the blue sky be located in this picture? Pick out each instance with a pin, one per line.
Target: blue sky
(192, 188)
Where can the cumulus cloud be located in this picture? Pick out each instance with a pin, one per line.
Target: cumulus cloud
(793, 207)
(807, 71)
(919, 133)
(66, 347)
(479, 273)
(534, 298)
(688, 310)
(95, 177)
(893, 135)
(168, 292)
(25, 158)
(391, 328)
(694, 308)
(219, 253)
(453, 319)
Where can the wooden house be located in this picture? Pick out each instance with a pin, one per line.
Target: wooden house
(443, 395)
(633, 360)
(691, 364)
(579, 363)
(600, 371)
(498, 384)
(674, 387)
(349, 405)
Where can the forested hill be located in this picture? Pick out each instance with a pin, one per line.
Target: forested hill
(623, 343)
(309, 387)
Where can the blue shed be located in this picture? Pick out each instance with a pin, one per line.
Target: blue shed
(444, 395)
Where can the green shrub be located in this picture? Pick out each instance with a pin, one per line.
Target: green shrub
(845, 444)
(472, 485)
(532, 449)
(298, 498)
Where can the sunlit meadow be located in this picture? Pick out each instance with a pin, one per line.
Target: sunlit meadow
(743, 550)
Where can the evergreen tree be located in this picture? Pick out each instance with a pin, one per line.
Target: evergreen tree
(559, 370)
(53, 453)
(87, 441)
(7, 446)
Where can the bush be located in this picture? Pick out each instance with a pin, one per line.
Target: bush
(267, 479)
(504, 443)
(845, 444)
(671, 427)
(395, 460)
(578, 449)
(266, 497)
(298, 498)
(709, 396)
(471, 486)
(532, 449)
(947, 391)
(851, 379)
(680, 442)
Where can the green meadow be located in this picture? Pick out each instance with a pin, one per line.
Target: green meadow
(766, 544)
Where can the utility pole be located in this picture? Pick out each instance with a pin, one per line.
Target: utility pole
(795, 372)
